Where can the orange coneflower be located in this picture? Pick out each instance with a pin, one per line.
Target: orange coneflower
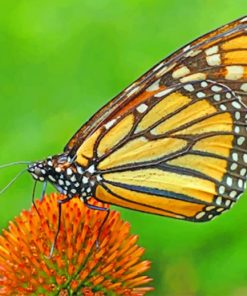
(77, 267)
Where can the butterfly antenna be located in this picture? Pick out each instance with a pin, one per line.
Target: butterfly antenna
(12, 181)
(14, 163)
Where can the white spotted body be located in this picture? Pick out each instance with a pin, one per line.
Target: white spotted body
(68, 177)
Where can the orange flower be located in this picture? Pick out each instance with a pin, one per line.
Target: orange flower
(77, 267)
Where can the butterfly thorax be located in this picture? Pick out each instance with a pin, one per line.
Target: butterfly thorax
(66, 175)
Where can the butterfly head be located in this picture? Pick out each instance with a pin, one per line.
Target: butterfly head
(59, 170)
(40, 170)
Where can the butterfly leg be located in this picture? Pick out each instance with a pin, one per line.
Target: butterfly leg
(107, 210)
(42, 195)
(59, 202)
(33, 196)
(43, 191)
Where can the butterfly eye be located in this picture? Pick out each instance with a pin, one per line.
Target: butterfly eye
(62, 159)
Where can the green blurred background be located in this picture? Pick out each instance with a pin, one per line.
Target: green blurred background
(60, 61)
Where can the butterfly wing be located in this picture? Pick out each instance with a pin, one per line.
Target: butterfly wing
(174, 142)
(201, 57)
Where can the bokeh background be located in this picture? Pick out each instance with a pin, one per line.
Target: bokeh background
(60, 61)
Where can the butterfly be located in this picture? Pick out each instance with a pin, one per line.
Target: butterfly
(173, 143)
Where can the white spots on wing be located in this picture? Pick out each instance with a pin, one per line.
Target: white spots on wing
(233, 194)
(181, 72)
(240, 183)
(229, 181)
(223, 107)
(234, 72)
(235, 156)
(237, 115)
(245, 158)
(243, 87)
(228, 203)
(192, 53)
(236, 105)
(216, 88)
(110, 124)
(133, 91)
(204, 84)
(164, 92)
(162, 71)
(243, 172)
(200, 215)
(217, 98)
(130, 87)
(218, 200)
(212, 50)
(221, 190)
(219, 210)
(154, 86)
(237, 129)
(213, 60)
(142, 108)
(196, 76)
(189, 87)
(200, 94)
(228, 95)
(234, 166)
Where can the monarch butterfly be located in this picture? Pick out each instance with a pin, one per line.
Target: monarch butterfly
(173, 143)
